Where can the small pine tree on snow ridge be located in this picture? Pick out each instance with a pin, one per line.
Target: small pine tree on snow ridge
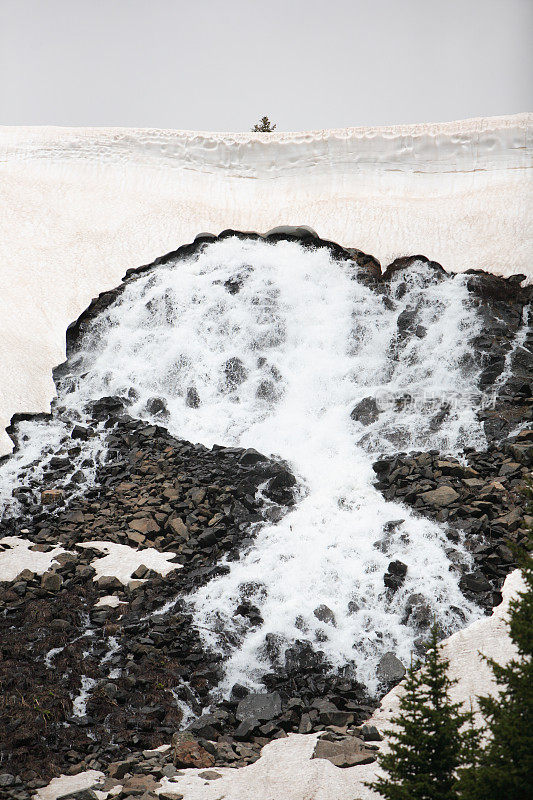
(264, 126)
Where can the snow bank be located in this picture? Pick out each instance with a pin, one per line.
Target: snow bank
(80, 205)
(121, 560)
(20, 556)
(70, 784)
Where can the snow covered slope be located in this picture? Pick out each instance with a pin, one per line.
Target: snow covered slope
(80, 206)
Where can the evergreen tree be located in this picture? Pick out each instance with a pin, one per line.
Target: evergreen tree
(427, 746)
(505, 768)
(264, 126)
(468, 775)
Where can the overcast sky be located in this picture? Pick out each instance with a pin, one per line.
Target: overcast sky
(221, 64)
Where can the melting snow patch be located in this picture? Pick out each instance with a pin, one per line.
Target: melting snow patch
(68, 784)
(20, 556)
(109, 600)
(121, 561)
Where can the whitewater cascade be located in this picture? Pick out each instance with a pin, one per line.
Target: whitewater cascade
(270, 346)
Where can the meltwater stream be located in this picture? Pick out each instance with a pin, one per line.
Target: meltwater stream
(271, 346)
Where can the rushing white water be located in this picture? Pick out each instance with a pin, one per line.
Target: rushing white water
(271, 346)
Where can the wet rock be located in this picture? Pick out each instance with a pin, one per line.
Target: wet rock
(192, 398)
(418, 612)
(251, 456)
(366, 411)
(325, 614)
(79, 432)
(390, 669)
(474, 582)
(262, 707)
(235, 372)
(279, 487)
(238, 692)
(405, 321)
(395, 575)
(157, 406)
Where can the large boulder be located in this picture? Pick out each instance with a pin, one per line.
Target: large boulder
(188, 752)
(263, 707)
(366, 411)
(440, 497)
(344, 751)
(390, 669)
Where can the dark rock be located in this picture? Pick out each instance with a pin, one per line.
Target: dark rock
(325, 614)
(192, 399)
(251, 456)
(238, 692)
(474, 582)
(395, 575)
(235, 372)
(366, 411)
(209, 775)
(262, 707)
(246, 728)
(301, 232)
(347, 751)
(329, 714)
(51, 581)
(157, 406)
(418, 612)
(204, 727)
(390, 669)
(371, 734)
(79, 432)
(118, 769)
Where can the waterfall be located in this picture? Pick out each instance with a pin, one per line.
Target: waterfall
(279, 347)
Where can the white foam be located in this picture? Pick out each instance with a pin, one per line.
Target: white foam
(79, 704)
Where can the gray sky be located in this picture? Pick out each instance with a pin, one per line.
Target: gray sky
(221, 64)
